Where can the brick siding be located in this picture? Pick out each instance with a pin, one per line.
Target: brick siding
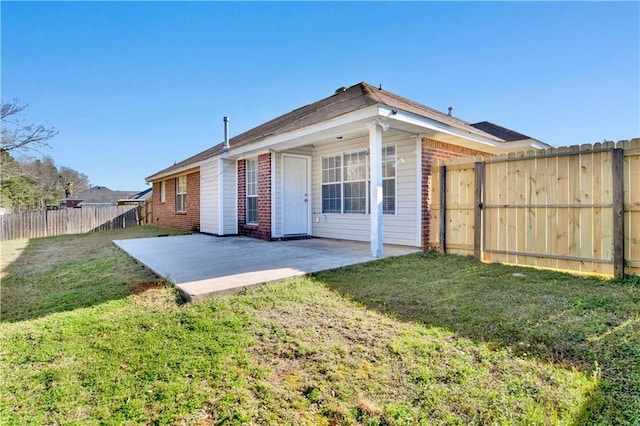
(431, 151)
(263, 229)
(164, 214)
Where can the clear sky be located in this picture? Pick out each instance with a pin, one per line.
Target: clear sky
(134, 86)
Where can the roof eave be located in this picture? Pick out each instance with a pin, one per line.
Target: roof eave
(301, 136)
(527, 145)
(425, 124)
(175, 172)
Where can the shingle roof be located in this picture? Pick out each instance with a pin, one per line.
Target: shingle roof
(101, 194)
(193, 160)
(507, 135)
(343, 101)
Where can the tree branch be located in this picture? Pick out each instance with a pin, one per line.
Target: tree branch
(17, 135)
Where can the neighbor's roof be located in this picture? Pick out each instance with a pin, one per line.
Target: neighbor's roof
(343, 101)
(101, 195)
(503, 133)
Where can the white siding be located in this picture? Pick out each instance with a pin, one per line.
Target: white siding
(230, 197)
(209, 196)
(399, 228)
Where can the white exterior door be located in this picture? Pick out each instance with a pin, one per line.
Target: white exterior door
(296, 200)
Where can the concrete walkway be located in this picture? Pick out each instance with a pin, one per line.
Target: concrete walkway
(202, 265)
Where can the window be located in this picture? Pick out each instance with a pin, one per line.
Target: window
(389, 179)
(355, 182)
(252, 191)
(331, 184)
(163, 191)
(181, 194)
(345, 182)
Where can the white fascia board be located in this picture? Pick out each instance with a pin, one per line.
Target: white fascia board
(430, 124)
(253, 154)
(291, 139)
(180, 170)
(526, 144)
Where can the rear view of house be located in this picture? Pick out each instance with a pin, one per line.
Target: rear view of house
(355, 166)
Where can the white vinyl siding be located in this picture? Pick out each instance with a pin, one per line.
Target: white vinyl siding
(230, 197)
(209, 197)
(399, 227)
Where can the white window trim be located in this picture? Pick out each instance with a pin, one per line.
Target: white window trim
(249, 161)
(163, 191)
(368, 181)
(395, 183)
(338, 182)
(184, 199)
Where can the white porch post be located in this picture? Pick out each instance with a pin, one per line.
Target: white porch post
(375, 171)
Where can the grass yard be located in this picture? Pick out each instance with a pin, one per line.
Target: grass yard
(46, 275)
(422, 339)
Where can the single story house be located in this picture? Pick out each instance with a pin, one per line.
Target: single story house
(96, 196)
(355, 166)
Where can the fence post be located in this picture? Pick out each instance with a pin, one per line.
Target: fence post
(618, 211)
(443, 209)
(477, 214)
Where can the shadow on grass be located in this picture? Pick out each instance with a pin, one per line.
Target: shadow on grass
(57, 274)
(585, 323)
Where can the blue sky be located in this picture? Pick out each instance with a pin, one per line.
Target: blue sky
(134, 86)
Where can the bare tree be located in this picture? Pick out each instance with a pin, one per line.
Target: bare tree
(18, 135)
(72, 180)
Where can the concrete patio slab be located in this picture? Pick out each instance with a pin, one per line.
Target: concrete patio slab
(202, 265)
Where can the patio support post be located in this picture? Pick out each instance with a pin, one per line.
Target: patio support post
(375, 172)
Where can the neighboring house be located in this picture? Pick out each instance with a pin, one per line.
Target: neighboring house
(355, 165)
(96, 196)
(137, 199)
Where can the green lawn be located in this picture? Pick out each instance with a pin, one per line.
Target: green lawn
(422, 339)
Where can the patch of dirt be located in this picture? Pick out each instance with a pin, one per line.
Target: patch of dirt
(140, 288)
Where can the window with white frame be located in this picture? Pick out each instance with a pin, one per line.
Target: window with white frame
(163, 191)
(346, 182)
(332, 184)
(389, 179)
(252, 191)
(355, 171)
(181, 194)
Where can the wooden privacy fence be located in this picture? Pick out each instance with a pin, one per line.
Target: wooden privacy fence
(50, 223)
(575, 208)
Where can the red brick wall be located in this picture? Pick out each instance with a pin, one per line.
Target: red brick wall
(263, 229)
(164, 214)
(242, 194)
(432, 151)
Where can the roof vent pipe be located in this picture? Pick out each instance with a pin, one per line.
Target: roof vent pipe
(226, 132)
(450, 111)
